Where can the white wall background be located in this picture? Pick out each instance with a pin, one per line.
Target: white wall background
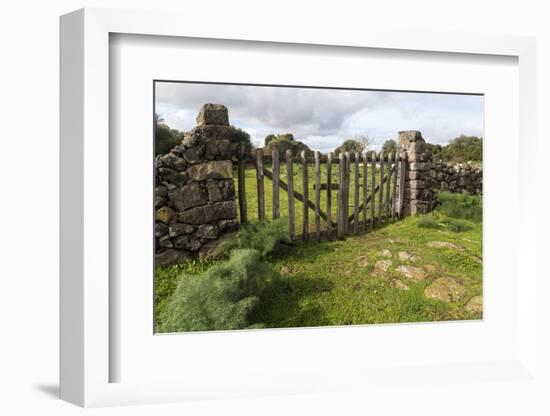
(29, 56)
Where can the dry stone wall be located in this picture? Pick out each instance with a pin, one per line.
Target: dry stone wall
(194, 189)
(425, 177)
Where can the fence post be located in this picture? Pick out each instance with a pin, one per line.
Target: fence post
(388, 187)
(381, 189)
(260, 183)
(402, 176)
(340, 213)
(346, 191)
(290, 179)
(365, 174)
(356, 195)
(394, 199)
(317, 195)
(276, 173)
(373, 188)
(305, 225)
(242, 188)
(329, 195)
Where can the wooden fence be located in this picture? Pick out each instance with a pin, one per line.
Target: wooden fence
(367, 191)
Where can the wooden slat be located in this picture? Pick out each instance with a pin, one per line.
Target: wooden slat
(346, 192)
(340, 212)
(381, 190)
(317, 195)
(402, 176)
(260, 183)
(373, 188)
(290, 181)
(356, 195)
(394, 198)
(361, 206)
(329, 195)
(242, 189)
(365, 192)
(388, 187)
(305, 191)
(276, 177)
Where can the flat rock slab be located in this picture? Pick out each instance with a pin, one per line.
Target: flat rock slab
(382, 266)
(474, 305)
(404, 256)
(362, 261)
(446, 290)
(219, 169)
(384, 253)
(398, 284)
(443, 244)
(413, 273)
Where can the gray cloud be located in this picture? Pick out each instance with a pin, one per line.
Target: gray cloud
(322, 118)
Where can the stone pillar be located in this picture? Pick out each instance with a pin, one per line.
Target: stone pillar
(194, 189)
(419, 199)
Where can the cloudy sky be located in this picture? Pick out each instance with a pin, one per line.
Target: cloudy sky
(323, 118)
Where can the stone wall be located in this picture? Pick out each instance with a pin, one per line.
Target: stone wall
(194, 189)
(426, 177)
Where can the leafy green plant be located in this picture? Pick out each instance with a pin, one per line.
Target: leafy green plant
(457, 225)
(222, 297)
(427, 221)
(464, 206)
(263, 236)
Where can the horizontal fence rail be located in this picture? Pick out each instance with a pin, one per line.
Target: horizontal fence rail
(365, 190)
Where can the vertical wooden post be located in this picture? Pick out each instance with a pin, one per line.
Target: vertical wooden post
(305, 225)
(394, 200)
(373, 188)
(365, 174)
(381, 189)
(276, 173)
(402, 176)
(341, 197)
(242, 188)
(356, 195)
(346, 192)
(317, 195)
(290, 181)
(388, 187)
(260, 183)
(329, 195)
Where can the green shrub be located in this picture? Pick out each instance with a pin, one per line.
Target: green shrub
(222, 297)
(263, 236)
(457, 225)
(427, 221)
(464, 206)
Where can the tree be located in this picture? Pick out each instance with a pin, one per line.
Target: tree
(389, 146)
(165, 137)
(464, 148)
(243, 138)
(350, 145)
(283, 142)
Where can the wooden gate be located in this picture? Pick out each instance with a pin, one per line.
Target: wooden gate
(363, 191)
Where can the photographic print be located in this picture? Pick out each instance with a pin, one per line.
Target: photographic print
(288, 206)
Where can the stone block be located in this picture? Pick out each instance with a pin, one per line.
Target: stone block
(226, 210)
(213, 114)
(220, 169)
(188, 196)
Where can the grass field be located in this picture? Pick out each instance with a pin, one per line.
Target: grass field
(366, 279)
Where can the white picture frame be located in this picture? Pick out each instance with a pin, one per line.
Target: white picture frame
(85, 165)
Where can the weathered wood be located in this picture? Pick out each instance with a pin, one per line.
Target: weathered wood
(242, 189)
(402, 176)
(290, 181)
(329, 195)
(340, 212)
(395, 175)
(346, 192)
(361, 206)
(275, 190)
(317, 195)
(365, 193)
(388, 187)
(373, 188)
(356, 195)
(260, 183)
(297, 195)
(305, 191)
(381, 190)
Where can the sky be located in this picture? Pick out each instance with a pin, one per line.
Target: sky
(324, 118)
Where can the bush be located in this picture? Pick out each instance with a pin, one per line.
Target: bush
(223, 297)
(263, 236)
(457, 225)
(464, 206)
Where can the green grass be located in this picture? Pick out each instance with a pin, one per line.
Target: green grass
(328, 283)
